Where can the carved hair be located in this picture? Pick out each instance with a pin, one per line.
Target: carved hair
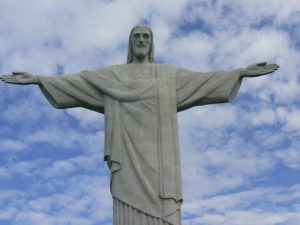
(130, 51)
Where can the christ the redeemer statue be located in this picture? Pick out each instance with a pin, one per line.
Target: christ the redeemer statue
(140, 101)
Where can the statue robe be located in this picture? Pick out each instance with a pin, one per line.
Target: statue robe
(140, 103)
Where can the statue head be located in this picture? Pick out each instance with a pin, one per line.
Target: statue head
(140, 44)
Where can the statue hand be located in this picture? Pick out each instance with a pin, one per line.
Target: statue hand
(259, 69)
(21, 78)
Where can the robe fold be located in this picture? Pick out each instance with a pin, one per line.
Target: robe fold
(140, 104)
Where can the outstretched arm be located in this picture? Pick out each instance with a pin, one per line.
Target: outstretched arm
(20, 78)
(62, 91)
(259, 69)
(196, 88)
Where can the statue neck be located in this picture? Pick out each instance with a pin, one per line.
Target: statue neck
(140, 60)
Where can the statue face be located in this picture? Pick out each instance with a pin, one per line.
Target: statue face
(141, 42)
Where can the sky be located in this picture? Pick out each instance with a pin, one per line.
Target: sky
(240, 160)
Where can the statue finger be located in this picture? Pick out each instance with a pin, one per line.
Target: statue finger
(9, 80)
(18, 72)
(261, 63)
(268, 71)
(10, 77)
(6, 76)
(274, 66)
(270, 67)
(12, 81)
(6, 81)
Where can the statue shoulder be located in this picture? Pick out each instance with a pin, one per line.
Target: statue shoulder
(169, 69)
(106, 69)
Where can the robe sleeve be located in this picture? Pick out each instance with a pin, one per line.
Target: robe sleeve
(196, 88)
(70, 91)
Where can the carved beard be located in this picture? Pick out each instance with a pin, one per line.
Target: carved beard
(140, 52)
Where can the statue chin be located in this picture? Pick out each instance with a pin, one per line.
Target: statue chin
(140, 53)
(141, 56)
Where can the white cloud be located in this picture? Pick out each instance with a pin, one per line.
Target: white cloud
(213, 171)
(87, 118)
(290, 118)
(36, 218)
(24, 167)
(285, 92)
(199, 45)
(88, 163)
(11, 145)
(224, 115)
(264, 117)
(290, 157)
(85, 200)
(270, 140)
(255, 206)
(62, 167)
(67, 138)
(55, 137)
(247, 218)
(8, 213)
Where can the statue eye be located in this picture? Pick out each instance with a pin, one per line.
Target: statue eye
(146, 36)
(136, 35)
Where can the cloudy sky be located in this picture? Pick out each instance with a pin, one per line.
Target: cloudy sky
(240, 160)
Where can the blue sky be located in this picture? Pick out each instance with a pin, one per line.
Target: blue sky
(240, 160)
